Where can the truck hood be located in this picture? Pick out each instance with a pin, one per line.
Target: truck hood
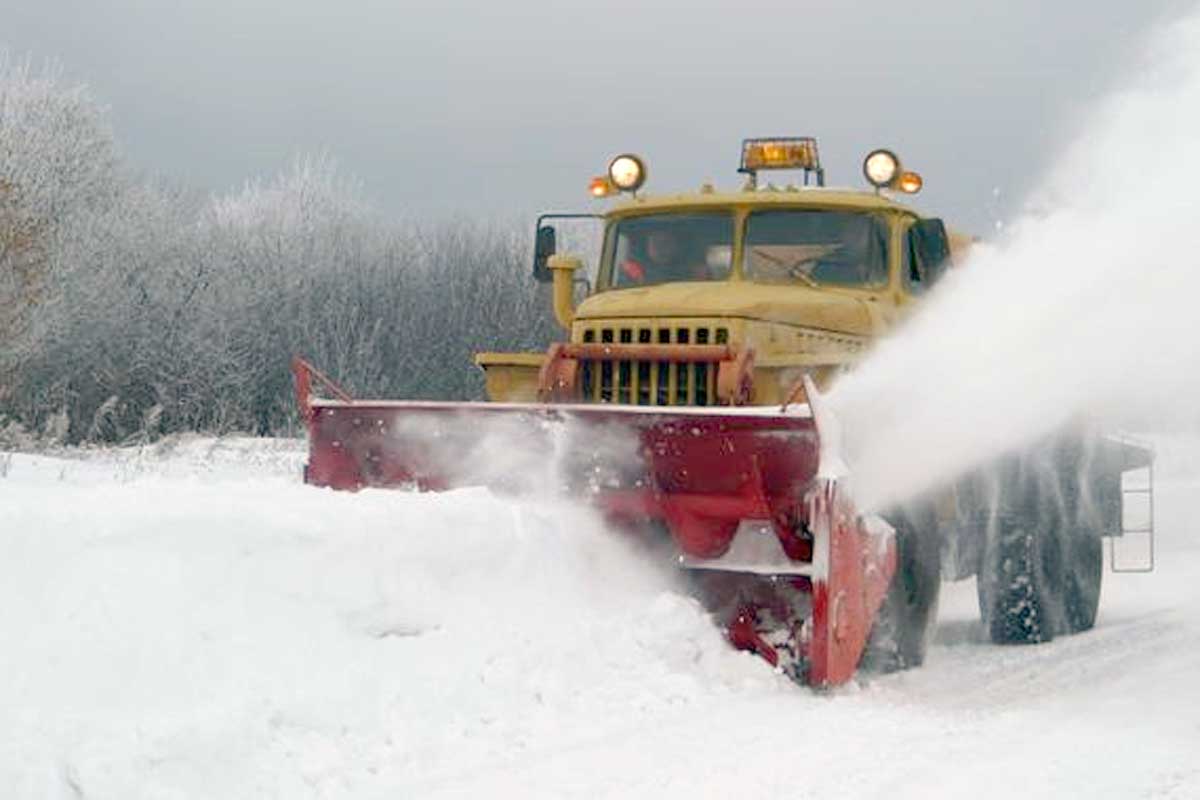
(828, 309)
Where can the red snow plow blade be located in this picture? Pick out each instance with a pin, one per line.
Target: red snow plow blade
(775, 546)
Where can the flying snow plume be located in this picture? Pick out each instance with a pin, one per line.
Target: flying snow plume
(1086, 309)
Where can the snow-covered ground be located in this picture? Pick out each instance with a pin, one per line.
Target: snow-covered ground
(190, 621)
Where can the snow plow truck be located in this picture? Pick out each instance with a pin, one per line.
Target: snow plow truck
(685, 402)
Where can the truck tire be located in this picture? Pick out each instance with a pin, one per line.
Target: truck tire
(1091, 515)
(902, 629)
(1085, 571)
(1021, 582)
(1094, 481)
(1020, 586)
(1042, 561)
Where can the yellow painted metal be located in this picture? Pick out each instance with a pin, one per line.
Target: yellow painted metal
(511, 377)
(800, 197)
(833, 309)
(563, 268)
(794, 329)
(784, 354)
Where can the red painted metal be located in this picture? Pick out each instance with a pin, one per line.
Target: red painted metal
(735, 378)
(304, 373)
(743, 634)
(558, 378)
(797, 394)
(847, 592)
(700, 472)
(681, 353)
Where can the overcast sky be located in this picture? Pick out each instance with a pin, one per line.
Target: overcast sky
(509, 107)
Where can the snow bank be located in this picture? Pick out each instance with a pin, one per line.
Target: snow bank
(190, 621)
(198, 623)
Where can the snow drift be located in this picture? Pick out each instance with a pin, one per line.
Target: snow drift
(190, 621)
(179, 612)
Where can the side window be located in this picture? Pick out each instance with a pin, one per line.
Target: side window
(927, 253)
(910, 273)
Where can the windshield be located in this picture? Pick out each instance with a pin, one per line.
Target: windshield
(663, 248)
(816, 247)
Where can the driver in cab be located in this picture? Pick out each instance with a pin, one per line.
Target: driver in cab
(663, 257)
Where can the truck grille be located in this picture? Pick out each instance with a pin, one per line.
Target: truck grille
(651, 383)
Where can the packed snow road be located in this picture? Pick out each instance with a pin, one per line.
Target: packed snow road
(191, 621)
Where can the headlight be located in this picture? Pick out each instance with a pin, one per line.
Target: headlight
(627, 172)
(881, 167)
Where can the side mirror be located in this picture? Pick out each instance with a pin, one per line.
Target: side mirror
(930, 248)
(545, 245)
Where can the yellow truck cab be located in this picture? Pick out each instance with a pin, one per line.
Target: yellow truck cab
(717, 297)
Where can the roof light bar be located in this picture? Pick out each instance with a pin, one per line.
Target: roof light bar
(782, 152)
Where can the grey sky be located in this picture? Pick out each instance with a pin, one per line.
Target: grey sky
(510, 107)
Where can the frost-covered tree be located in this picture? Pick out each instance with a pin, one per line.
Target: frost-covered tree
(392, 309)
(131, 307)
(56, 160)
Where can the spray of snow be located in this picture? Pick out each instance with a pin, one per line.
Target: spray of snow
(1087, 307)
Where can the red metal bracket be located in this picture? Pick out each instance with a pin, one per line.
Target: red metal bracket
(735, 378)
(302, 375)
(558, 379)
(743, 634)
(797, 394)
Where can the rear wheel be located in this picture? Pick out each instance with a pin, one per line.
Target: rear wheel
(1020, 585)
(902, 629)
(1089, 518)
(1081, 598)
(1042, 564)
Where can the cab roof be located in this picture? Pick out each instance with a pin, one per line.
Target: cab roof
(793, 197)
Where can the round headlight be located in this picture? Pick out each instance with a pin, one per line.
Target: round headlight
(881, 167)
(627, 172)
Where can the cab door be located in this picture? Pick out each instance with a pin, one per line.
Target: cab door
(924, 255)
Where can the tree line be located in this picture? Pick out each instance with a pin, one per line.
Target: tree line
(133, 307)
